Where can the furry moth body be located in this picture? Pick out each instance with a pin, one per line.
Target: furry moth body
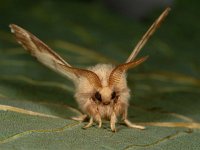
(101, 91)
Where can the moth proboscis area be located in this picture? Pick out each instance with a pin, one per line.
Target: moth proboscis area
(101, 91)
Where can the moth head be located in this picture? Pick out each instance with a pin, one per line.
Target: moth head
(105, 96)
(110, 93)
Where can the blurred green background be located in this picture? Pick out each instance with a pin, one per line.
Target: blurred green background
(165, 89)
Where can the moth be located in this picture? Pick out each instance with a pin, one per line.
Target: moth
(101, 91)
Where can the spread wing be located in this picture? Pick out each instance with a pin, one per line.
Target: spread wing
(41, 51)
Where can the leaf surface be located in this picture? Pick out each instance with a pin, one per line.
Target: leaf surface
(36, 104)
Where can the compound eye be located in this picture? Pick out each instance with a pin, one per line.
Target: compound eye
(98, 96)
(113, 96)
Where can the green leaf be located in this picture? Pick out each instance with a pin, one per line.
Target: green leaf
(36, 104)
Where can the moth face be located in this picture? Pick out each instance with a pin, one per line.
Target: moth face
(105, 96)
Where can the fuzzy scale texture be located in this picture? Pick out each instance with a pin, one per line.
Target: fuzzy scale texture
(84, 93)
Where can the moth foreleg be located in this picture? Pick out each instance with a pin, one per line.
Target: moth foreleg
(98, 119)
(89, 123)
(113, 120)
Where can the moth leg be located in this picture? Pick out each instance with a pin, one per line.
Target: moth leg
(98, 119)
(130, 124)
(100, 123)
(80, 118)
(113, 120)
(89, 124)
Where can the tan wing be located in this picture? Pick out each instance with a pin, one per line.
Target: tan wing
(41, 51)
(147, 35)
